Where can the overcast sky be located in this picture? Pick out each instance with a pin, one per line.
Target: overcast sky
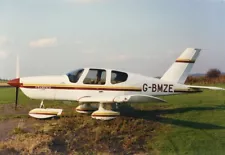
(144, 36)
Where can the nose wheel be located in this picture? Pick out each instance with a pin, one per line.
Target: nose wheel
(43, 113)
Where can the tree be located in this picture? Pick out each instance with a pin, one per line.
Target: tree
(213, 73)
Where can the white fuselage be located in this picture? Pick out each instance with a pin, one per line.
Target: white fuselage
(60, 87)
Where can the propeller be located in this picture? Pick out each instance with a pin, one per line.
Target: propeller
(17, 76)
(17, 93)
(16, 82)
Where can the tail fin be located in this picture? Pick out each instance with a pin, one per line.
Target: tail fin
(180, 69)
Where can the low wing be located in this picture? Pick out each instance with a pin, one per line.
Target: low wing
(120, 99)
(138, 98)
(96, 99)
(205, 87)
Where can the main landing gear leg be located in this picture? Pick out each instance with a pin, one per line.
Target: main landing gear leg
(42, 104)
(104, 114)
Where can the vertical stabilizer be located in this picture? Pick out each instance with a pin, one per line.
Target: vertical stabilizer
(181, 68)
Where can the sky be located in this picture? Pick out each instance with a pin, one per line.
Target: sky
(143, 36)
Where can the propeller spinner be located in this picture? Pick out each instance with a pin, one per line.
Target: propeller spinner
(15, 83)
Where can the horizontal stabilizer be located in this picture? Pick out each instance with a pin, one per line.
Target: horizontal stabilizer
(205, 87)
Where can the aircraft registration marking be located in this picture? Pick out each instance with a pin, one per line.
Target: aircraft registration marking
(158, 88)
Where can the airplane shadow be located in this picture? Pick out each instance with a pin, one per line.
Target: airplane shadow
(157, 115)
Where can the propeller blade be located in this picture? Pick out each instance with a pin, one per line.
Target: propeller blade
(17, 67)
(17, 92)
(17, 76)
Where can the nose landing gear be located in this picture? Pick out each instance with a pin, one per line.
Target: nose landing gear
(43, 113)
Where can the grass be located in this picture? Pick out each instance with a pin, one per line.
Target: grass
(187, 124)
(196, 124)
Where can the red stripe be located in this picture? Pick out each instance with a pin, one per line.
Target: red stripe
(81, 88)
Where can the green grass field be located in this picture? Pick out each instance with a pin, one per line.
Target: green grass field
(187, 124)
(196, 124)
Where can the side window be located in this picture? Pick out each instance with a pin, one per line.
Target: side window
(118, 77)
(95, 76)
(75, 75)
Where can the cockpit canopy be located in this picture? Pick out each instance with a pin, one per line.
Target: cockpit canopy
(97, 76)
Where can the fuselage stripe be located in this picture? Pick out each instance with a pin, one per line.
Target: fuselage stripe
(82, 88)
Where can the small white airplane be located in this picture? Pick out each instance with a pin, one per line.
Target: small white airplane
(107, 86)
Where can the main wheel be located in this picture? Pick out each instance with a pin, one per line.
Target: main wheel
(103, 114)
(85, 108)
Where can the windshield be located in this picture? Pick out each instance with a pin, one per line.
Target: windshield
(75, 75)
